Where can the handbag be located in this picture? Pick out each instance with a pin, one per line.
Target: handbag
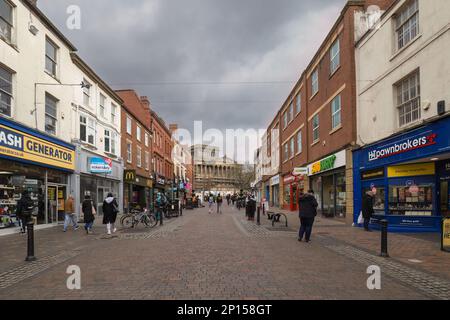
(360, 218)
(94, 212)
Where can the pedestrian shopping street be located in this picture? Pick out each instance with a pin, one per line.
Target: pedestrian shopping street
(223, 256)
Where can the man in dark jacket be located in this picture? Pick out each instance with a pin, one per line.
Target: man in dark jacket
(307, 213)
(110, 210)
(367, 207)
(250, 208)
(88, 213)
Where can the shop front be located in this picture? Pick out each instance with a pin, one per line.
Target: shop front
(327, 180)
(137, 190)
(96, 177)
(411, 173)
(275, 191)
(293, 186)
(35, 162)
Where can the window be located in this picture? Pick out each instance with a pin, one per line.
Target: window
(315, 82)
(86, 93)
(146, 139)
(129, 153)
(147, 162)
(50, 114)
(102, 105)
(6, 94)
(292, 147)
(336, 112)
(299, 142)
(113, 143)
(129, 125)
(6, 20)
(286, 151)
(291, 111)
(87, 130)
(107, 141)
(408, 99)
(139, 157)
(335, 59)
(298, 103)
(407, 24)
(138, 133)
(316, 128)
(113, 113)
(285, 120)
(50, 57)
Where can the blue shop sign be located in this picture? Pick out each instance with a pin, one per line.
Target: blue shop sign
(100, 165)
(419, 143)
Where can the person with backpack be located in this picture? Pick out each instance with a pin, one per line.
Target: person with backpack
(70, 215)
(24, 210)
(89, 214)
(160, 203)
(110, 210)
(219, 203)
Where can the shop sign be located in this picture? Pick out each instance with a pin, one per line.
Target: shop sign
(149, 183)
(100, 165)
(332, 162)
(160, 180)
(129, 176)
(291, 179)
(446, 234)
(412, 170)
(403, 146)
(372, 174)
(275, 180)
(20, 143)
(300, 171)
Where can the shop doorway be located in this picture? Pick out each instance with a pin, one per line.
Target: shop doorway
(102, 193)
(445, 199)
(57, 195)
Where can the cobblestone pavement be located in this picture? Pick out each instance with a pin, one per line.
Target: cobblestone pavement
(203, 256)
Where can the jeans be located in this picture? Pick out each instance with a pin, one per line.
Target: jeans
(366, 223)
(219, 207)
(70, 217)
(88, 226)
(306, 227)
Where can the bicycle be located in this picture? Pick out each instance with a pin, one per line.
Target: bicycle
(135, 217)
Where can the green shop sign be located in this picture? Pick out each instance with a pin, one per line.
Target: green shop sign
(324, 165)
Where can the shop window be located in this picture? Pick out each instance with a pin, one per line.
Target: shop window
(408, 99)
(6, 92)
(50, 114)
(379, 201)
(411, 201)
(287, 195)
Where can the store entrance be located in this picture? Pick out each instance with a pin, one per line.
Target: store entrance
(102, 193)
(445, 199)
(56, 203)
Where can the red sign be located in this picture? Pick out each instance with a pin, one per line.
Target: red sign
(414, 189)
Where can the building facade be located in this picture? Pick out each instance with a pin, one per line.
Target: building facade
(403, 121)
(136, 149)
(182, 166)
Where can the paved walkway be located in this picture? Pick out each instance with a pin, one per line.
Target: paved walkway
(202, 256)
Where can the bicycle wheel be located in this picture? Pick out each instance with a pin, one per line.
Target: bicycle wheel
(127, 221)
(149, 220)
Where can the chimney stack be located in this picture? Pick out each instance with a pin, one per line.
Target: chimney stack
(146, 102)
(33, 2)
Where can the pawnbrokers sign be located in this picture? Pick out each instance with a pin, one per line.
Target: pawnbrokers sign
(21, 143)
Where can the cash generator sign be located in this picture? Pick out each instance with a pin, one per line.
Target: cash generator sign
(403, 146)
(18, 144)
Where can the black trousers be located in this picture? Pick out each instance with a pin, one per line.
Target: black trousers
(366, 223)
(306, 227)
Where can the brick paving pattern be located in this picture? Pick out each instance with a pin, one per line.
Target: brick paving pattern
(199, 256)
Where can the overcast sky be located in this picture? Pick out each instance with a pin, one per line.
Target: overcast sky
(229, 63)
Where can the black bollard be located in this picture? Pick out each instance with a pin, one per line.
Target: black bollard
(30, 249)
(384, 239)
(258, 216)
(181, 209)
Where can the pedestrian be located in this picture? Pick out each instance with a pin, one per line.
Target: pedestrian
(219, 203)
(307, 213)
(89, 214)
(24, 210)
(110, 210)
(69, 214)
(250, 208)
(367, 207)
(210, 203)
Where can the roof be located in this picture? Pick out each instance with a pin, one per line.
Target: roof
(131, 101)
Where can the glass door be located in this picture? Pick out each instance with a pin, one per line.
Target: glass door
(52, 204)
(445, 199)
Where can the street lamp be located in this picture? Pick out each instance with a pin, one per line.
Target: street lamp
(34, 111)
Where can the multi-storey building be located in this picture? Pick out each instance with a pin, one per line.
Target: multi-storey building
(136, 149)
(182, 165)
(52, 139)
(403, 90)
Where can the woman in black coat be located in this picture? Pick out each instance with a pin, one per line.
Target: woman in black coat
(307, 212)
(250, 208)
(88, 212)
(367, 207)
(110, 210)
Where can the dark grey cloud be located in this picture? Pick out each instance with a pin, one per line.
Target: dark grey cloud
(136, 43)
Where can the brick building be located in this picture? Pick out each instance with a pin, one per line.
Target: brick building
(136, 149)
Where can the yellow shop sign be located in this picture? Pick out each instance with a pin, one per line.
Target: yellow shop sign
(17, 142)
(412, 170)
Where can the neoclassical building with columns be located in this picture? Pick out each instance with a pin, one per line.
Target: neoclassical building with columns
(213, 173)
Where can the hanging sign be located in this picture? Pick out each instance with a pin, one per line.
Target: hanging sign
(100, 165)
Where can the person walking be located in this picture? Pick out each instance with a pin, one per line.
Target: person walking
(307, 213)
(24, 210)
(250, 208)
(110, 210)
(210, 203)
(219, 203)
(70, 215)
(89, 214)
(367, 207)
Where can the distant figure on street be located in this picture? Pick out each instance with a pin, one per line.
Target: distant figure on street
(160, 204)
(110, 210)
(367, 207)
(250, 208)
(210, 203)
(219, 203)
(89, 214)
(307, 213)
(70, 215)
(228, 199)
(24, 210)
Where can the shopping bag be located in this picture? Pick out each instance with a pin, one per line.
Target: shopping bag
(360, 218)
